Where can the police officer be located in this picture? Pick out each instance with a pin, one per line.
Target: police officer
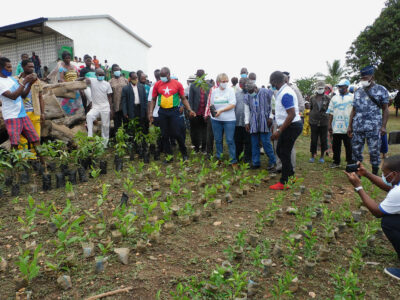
(368, 118)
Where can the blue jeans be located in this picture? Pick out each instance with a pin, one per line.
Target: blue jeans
(227, 127)
(265, 138)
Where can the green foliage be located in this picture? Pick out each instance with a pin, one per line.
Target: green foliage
(379, 45)
(346, 285)
(121, 146)
(306, 85)
(27, 264)
(335, 72)
(281, 289)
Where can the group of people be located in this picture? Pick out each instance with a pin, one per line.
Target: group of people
(249, 116)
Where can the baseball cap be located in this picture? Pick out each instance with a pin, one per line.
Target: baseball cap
(343, 82)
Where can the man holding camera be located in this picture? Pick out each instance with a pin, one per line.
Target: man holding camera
(389, 208)
(368, 118)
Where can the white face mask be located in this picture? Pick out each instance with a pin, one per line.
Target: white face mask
(223, 85)
(365, 83)
(320, 91)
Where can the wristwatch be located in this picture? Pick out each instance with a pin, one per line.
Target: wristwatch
(278, 130)
(357, 189)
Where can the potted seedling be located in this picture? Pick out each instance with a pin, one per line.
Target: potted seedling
(154, 136)
(120, 149)
(309, 252)
(19, 161)
(28, 265)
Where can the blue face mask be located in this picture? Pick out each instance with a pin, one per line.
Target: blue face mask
(273, 88)
(6, 73)
(385, 180)
(164, 79)
(243, 75)
(253, 94)
(100, 78)
(117, 73)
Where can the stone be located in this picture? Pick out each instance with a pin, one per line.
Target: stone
(277, 251)
(3, 264)
(155, 186)
(123, 254)
(297, 237)
(291, 211)
(141, 246)
(294, 285)
(356, 215)
(64, 281)
(217, 203)
(88, 249)
(364, 211)
(217, 223)
(116, 236)
(169, 228)
(228, 198)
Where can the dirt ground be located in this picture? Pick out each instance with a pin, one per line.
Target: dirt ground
(194, 250)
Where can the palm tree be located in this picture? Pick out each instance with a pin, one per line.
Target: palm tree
(335, 72)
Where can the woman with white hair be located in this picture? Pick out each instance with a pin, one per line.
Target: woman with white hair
(223, 118)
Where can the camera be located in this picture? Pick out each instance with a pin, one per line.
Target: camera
(213, 111)
(352, 168)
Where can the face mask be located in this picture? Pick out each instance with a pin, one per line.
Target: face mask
(243, 75)
(365, 83)
(342, 91)
(117, 73)
(385, 181)
(253, 94)
(320, 91)
(252, 81)
(100, 78)
(223, 85)
(164, 79)
(273, 88)
(6, 73)
(134, 81)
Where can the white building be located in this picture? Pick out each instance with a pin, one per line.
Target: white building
(99, 35)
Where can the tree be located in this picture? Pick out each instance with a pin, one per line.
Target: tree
(379, 45)
(306, 85)
(335, 72)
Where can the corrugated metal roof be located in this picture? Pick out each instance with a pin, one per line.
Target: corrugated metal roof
(22, 24)
(103, 17)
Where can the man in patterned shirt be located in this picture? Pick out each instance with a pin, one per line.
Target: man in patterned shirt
(368, 118)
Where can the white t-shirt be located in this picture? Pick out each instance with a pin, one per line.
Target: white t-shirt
(221, 99)
(391, 204)
(100, 90)
(285, 98)
(150, 98)
(11, 109)
(340, 108)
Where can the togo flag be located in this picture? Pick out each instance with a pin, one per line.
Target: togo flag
(168, 100)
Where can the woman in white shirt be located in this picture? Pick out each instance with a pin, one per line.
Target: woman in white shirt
(223, 118)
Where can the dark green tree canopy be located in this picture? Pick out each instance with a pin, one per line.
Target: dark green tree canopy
(379, 45)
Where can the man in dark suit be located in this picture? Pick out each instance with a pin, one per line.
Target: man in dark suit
(198, 126)
(134, 102)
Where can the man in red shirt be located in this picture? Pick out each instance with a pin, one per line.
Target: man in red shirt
(168, 93)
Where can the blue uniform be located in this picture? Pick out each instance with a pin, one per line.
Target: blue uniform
(367, 123)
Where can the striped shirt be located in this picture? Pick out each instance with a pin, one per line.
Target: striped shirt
(257, 110)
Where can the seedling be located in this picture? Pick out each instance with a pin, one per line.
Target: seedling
(28, 264)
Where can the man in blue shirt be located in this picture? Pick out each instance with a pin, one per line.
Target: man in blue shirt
(368, 118)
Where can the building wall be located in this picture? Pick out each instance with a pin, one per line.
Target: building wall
(106, 40)
(45, 46)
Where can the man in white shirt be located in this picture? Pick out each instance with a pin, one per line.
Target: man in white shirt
(289, 126)
(101, 105)
(389, 208)
(15, 118)
(339, 110)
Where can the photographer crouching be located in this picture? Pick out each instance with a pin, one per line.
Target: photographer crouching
(389, 208)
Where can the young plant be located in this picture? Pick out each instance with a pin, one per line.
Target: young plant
(28, 264)
(29, 221)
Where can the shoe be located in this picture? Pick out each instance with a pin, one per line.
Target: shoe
(312, 160)
(271, 168)
(321, 160)
(393, 272)
(334, 166)
(278, 187)
(253, 167)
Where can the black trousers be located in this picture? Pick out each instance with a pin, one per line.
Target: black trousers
(210, 138)
(243, 143)
(320, 132)
(198, 133)
(337, 147)
(171, 123)
(118, 119)
(391, 227)
(284, 148)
